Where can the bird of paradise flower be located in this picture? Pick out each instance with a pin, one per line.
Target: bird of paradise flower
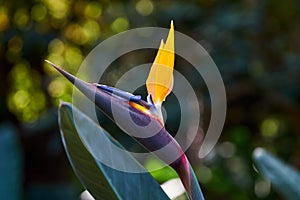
(159, 84)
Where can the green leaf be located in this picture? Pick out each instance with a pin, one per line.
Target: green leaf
(101, 181)
(195, 187)
(159, 170)
(285, 178)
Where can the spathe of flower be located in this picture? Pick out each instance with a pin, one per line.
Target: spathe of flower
(162, 144)
(160, 80)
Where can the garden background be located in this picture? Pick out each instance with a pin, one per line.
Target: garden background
(255, 44)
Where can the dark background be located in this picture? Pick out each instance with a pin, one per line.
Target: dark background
(255, 45)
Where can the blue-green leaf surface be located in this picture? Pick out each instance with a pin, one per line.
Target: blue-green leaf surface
(103, 182)
(285, 178)
(195, 187)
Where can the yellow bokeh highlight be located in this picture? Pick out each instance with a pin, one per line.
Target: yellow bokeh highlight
(26, 98)
(57, 87)
(38, 12)
(59, 9)
(73, 57)
(21, 17)
(56, 46)
(86, 33)
(64, 55)
(21, 99)
(120, 24)
(269, 127)
(91, 30)
(4, 19)
(19, 74)
(93, 10)
(76, 33)
(144, 7)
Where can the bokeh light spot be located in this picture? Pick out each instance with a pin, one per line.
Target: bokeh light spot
(76, 33)
(4, 19)
(38, 12)
(57, 87)
(21, 17)
(91, 30)
(144, 7)
(93, 10)
(120, 24)
(73, 57)
(269, 127)
(19, 72)
(56, 46)
(21, 99)
(262, 188)
(226, 149)
(58, 8)
(236, 164)
(204, 174)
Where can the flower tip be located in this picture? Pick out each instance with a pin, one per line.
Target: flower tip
(69, 76)
(47, 61)
(52, 64)
(172, 25)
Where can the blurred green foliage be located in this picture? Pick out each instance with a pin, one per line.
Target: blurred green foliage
(254, 43)
(11, 170)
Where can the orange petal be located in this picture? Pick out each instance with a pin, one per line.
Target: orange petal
(160, 80)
